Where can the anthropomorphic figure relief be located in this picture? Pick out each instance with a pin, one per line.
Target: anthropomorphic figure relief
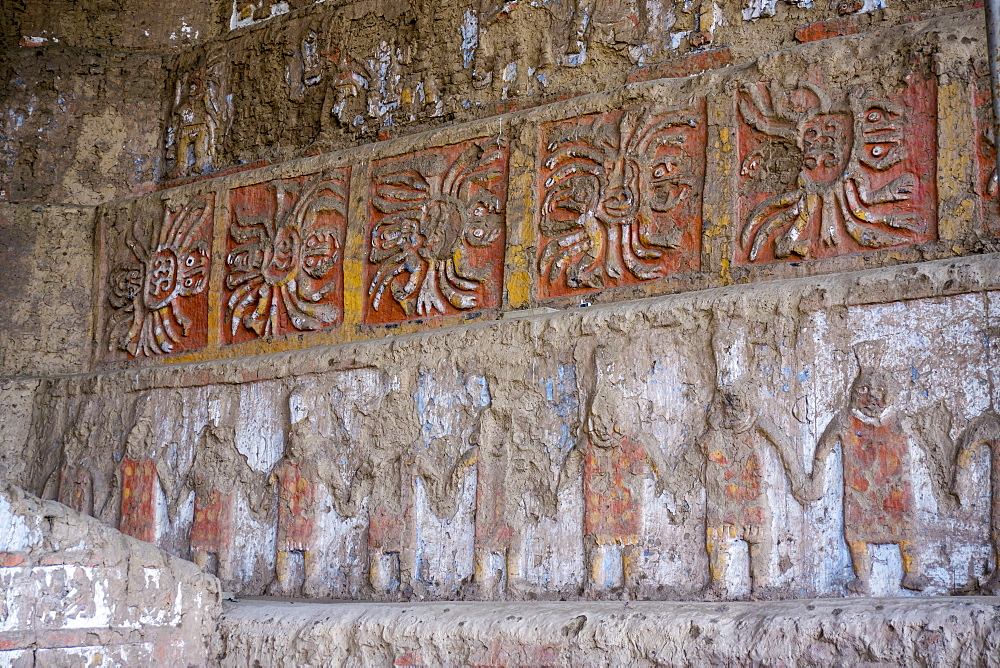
(138, 475)
(296, 476)
(220, 473)
(984, 431)
(879, 505)
(201, 114)
(737, 504)
(86, 478)
(370, 473)
(615, 460)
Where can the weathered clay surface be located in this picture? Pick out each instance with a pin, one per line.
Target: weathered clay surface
(45, 288)
(118, 25)
(789, 439)
(948, 632)
(80, 126)
(75, 591)
(337, 75)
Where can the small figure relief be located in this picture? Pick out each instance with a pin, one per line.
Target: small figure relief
(509, 47)
(616, 459)
(285, 261)
(366, 94)
(879, 505)
(984, 431)
(517, 49)
(309, 67)
(138, 487)
(220, 474)
(756, 9)
(157, 286)
(202, 112)
(621, 198)
(637, 27)
(437, 233)
(296, 476)
(862, 181)
(738, 506)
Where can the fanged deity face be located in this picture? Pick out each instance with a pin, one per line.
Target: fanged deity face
(826, 147)
(870, 397)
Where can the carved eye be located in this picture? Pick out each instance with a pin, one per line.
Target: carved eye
(188, 282)
(863, 389)
(875, 115)
(878, 151)
(479, 211)
(189, 261)
(664, 169)
(811, 133)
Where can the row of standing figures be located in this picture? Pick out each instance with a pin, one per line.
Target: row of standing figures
(613, 462)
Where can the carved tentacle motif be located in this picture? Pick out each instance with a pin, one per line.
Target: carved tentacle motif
(845, 149)
(438, 212)
(149, 293)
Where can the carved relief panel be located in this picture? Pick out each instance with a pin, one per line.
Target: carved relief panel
(158, 269)
(436, 233)
(620, 198)
(284, 262)
(826, 172)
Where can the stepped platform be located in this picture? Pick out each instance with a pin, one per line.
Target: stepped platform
(857, 631)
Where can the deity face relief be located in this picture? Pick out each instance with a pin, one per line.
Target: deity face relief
(870, 396)
(730, 411)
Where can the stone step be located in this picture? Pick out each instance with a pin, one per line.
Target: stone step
(858, 631)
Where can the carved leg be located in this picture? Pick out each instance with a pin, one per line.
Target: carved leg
(309, 563)
(862, 561)
(490, 572)
(183, 149)
(281, 569)
(760, 563)
(224, 568)
(718, 559)
(631, 569)
(384, 571)
(993, 584)
(912, 578)
(200, 558)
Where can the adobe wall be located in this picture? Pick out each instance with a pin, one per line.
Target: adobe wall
(76, 592)
(414, 305)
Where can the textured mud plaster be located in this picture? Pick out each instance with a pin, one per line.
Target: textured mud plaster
(79, 126)
(957, 631)
(342, 74)
(45, 288)
(74, 591)
(682, 447)
(120, 25)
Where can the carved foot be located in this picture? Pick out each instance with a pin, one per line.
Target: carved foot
(857, 586)
(915, 581)
(992, 585)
